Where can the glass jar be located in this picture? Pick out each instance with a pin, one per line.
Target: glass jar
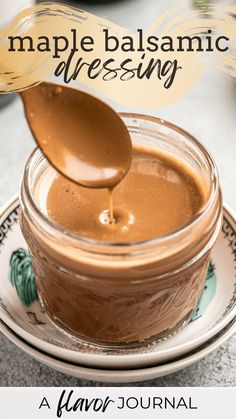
(116, 295)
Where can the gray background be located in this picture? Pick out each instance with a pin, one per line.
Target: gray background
(208, 112)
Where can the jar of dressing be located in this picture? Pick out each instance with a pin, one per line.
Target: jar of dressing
(123, 293)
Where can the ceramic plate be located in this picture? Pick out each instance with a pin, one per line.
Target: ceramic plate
(21, 311)
(121, 376)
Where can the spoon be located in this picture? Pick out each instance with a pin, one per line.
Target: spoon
(80, 135)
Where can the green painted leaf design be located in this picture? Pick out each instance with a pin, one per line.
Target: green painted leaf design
(208, 293)
(22, 277)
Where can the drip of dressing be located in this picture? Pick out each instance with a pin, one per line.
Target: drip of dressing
(80, 135)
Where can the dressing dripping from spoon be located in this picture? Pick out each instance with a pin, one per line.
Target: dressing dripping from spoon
(80, 135)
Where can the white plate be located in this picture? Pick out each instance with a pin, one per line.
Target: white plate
(121, 376)
(217, 308)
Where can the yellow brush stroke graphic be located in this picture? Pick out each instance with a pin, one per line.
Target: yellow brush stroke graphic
(174, 72)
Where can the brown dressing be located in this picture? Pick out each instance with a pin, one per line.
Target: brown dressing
(125, 299)
(158, 196)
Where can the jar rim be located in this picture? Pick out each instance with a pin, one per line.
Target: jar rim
(122, 246)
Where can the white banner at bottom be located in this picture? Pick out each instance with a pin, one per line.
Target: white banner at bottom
(118, 402)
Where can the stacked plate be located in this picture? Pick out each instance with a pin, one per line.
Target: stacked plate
(24, 322)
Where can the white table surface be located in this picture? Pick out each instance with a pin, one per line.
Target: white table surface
(209, 113)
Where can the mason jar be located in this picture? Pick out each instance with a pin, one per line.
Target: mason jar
(116, 295)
